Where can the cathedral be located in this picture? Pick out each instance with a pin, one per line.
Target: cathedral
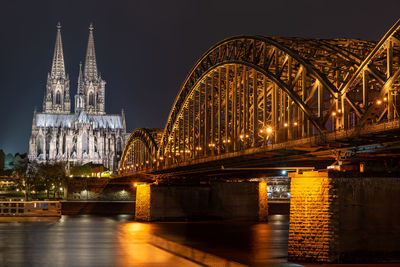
(87, 135)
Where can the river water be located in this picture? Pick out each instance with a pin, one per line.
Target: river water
(88, 240)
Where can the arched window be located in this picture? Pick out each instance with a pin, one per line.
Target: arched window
(119, 148)
(58, 98)
(91, 99)
(64, 144)
(119, 145)
(84, 143)
(48, 141)
(39, 147)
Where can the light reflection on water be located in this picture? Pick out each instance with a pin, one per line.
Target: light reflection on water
(88, 240)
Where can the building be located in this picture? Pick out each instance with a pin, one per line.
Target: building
(86, 135)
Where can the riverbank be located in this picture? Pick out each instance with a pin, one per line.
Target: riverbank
(128, 207)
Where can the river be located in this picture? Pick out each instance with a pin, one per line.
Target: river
(88, 240)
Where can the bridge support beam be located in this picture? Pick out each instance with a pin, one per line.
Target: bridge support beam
(229, 201)
(344, 219)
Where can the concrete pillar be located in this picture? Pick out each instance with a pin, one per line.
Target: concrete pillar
(344, 219)
(230, 201)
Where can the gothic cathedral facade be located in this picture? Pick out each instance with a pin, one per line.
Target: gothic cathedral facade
(86, 135)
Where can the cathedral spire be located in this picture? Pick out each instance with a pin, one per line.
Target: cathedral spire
(80, 80)
(58, 66)
(90, 71)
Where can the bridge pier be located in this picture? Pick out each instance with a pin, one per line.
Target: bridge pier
(220, 200)
(343, 217)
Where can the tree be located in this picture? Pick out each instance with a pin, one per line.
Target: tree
(2, 157)
(9, 162)
(81, 170)
(20, 164)
(52, 177)
(45, 177)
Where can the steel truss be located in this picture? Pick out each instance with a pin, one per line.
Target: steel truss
(252, 91)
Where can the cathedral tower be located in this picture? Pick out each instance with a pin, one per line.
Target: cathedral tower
(90, 95)
(57, 98)
(87, 136)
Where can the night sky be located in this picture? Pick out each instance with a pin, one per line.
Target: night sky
(146, 48)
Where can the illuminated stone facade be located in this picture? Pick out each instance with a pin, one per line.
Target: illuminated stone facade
(312, 230)
(344, 218)
(88, 134)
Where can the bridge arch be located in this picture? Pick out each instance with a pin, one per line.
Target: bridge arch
(371, 94)
(140, 150)
(292, 72)
(247, 92)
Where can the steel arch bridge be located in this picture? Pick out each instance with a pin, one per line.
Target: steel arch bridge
(251, 94)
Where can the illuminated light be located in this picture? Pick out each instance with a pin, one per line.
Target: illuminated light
(286, 125)
(247, 136)
(223, 141)
(385, 99)
(70, 176)
(261, 131)
(17, 189)
(229, 140)
(154, 160)
(169, 156)
(61, 189)
(137, 165)
(269, 130)
(147, 162)
(283, 172)
(178, 154)
(295, 123)
(333, 113)
(379, 102)
(241, 136)
(339, 111)
(161, 158)
(135, 184)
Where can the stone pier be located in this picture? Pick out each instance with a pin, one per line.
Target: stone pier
(228, 201)
(344, 218)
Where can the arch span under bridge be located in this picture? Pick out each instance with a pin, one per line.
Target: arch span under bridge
(262, 100)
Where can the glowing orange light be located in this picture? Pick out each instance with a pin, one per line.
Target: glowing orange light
(379, 102)
(286, 125)
(385, 99)
(295, 123)
(269, 130)
(333, 113)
